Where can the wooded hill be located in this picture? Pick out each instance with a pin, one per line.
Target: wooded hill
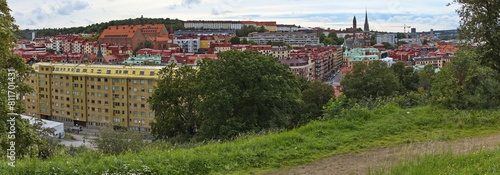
(99, 27)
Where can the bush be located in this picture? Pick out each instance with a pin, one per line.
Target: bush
(464, 84)
(118, 141)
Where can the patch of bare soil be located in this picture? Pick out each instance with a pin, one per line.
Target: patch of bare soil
(359, 163)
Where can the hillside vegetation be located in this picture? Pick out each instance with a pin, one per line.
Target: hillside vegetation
(352, 131)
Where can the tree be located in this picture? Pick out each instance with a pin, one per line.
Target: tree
(235, 40)
(373, 39)
(425, 42)
(407, 76)
(370, 81)
(252, 42)
(426, 77)
(245, 30)
(244, 41)
(333, 35)
(388, 45)
(322, 37)
(148, 44)
(480, 23)
(13, 69)
(314, 98)
(465, 83)
(174, 101)
(329, 41)
(262, 29)
(245, 91)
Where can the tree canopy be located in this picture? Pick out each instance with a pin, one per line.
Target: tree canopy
(480, 23)
(374, 80)
(245, 91)
(14, 69)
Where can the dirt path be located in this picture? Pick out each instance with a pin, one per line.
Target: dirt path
(359, 163)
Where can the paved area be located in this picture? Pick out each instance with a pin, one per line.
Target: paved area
(79, 141)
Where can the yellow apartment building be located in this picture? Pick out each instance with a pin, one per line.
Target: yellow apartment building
(93, 95)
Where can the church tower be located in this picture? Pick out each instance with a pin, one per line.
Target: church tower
(354, 27)
(366, 31)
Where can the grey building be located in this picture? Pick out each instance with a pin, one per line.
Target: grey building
(389, 38)
(295, 39)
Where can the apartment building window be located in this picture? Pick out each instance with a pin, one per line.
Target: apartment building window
(98, 87)
(135, 104)
(106, 103)
(98, 71)
(142, 81)
(67, 91)
(143, 122)
(62, 112)
(142, 106)
(133, 72)
(150, 90)
(141, 73)
(135, 81)
(92, 94)
(135, 89)
(93, 116)
(142, 90)
(99, 94)
(106, 87)
(135, 120)
(92, 79)
(100, 117)
(67, 84)
(150, 81)
(106, 118)
(143, 113)
(56, 83)
(151, 73)
(135, 112)
(151, 114)
(91, 86)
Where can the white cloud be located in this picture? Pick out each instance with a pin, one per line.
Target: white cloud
(424, 14)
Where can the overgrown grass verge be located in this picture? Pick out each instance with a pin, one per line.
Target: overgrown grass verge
(478, 161)
(358, 130)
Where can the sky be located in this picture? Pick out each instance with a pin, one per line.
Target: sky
(383, 15)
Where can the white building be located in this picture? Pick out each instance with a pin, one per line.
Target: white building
(191, 45)
(57, 127)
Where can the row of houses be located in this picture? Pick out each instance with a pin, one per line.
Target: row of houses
(237, 25)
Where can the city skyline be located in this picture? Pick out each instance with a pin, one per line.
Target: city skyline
(422, 15)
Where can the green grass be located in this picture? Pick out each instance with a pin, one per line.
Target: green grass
(475, 162)
(362, 129)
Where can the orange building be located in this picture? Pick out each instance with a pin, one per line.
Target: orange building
(134, 35)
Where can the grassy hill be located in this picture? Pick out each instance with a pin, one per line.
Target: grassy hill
(252, 153)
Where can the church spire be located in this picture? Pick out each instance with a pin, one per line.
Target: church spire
(367, 27)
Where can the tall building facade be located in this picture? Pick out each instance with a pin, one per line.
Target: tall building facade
(93, 95)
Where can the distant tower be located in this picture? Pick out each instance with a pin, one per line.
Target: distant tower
(366, 32)
(99, 58)
(354, 27)
(171, 35)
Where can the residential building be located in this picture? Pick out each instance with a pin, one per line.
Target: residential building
(295, 39)
(365, 55)
(286, 28)
(300, 66)
(388, 38)
(93, 95)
